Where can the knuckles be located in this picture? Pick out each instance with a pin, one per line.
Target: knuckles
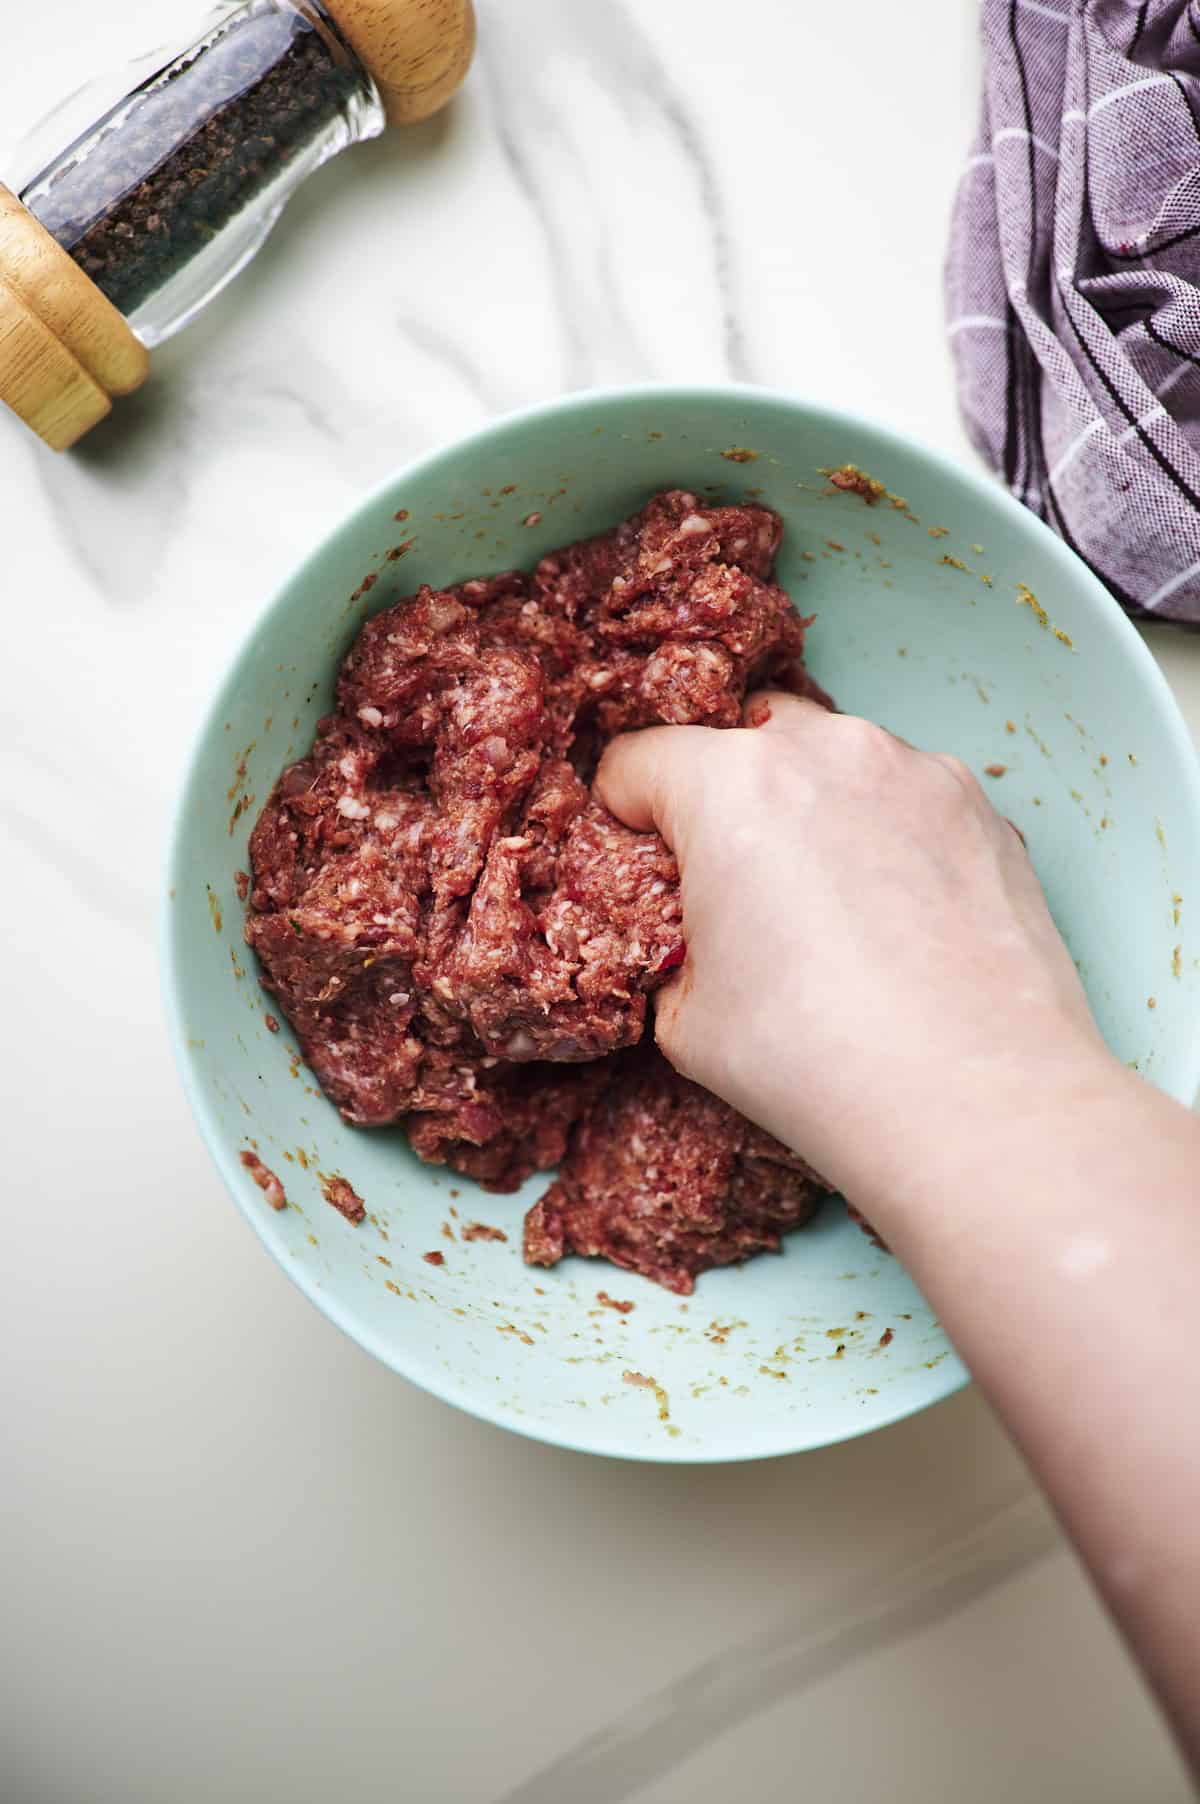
(960, 772)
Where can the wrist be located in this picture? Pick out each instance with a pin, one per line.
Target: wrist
(994, 1131)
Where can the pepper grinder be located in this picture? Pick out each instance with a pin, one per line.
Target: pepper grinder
(148, 206)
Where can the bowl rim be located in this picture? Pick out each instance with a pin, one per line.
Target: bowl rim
(788, 1438)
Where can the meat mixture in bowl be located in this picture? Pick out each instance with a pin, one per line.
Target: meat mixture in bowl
(465, 942)
(665, 1179)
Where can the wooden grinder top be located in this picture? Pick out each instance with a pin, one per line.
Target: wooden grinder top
(418, 51)
(65, 351)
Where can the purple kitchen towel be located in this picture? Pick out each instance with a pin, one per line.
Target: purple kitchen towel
(1071, 283)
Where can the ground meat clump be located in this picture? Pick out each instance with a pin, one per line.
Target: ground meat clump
(459, 936)
(666, 1180)
(496, 1124)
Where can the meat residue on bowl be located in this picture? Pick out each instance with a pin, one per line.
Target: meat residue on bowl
(465, 941)
(266, 1180)
(341, 1195)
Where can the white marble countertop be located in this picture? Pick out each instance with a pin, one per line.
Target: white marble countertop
(243, 1560)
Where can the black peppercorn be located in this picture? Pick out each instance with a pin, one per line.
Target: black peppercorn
(195, 147)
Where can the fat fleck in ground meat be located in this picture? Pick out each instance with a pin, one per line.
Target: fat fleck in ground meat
(666, 1180)
(464, 941)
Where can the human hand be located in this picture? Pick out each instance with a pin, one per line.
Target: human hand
(872, 970)
(873, 975)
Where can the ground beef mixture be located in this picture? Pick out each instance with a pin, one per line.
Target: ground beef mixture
(460, 937)
(664, 1179)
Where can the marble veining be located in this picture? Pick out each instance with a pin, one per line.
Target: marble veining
(619, 1760)
(602, 84)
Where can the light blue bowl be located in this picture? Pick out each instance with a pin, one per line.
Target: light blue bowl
(920, 626)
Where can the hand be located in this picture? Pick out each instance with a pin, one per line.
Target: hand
(873, 974)
(872, 969)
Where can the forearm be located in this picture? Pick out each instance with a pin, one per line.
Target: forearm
(1060, 1248)
(874, 976)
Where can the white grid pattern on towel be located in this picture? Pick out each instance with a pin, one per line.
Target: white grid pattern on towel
(1073, 283)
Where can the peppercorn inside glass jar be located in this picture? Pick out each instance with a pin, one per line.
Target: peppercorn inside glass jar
(170, 192)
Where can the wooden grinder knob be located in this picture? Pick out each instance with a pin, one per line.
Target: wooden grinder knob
(65, 350)
(417, 51)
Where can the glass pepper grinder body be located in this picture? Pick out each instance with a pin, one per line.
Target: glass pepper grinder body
(169, 194)
(137, 210)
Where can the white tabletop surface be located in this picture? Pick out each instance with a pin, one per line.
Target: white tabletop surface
(243, 1561)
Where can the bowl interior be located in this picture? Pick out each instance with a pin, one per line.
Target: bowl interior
(950, 616)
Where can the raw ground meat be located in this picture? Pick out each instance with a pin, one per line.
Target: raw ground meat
(464, 941)
(498, 1123)
(665, 1179)
(455, 931)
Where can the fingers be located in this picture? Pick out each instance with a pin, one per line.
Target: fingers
(650, 779)
(963, 775)
(646, 778)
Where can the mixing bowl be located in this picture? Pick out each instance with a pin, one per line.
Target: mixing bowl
(943, 610)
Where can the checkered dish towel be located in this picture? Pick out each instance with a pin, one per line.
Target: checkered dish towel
(1072, 279)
